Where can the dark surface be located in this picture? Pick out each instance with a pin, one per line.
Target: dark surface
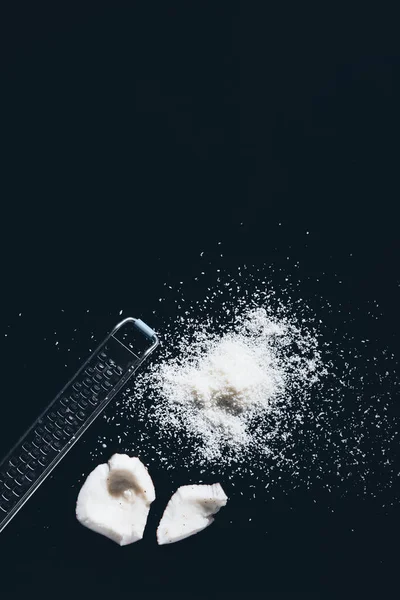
(133, 140)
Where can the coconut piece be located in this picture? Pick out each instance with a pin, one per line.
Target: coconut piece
(115, 499)
(189, 511)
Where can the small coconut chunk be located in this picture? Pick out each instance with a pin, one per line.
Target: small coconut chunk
(189, 511)
(115, 499)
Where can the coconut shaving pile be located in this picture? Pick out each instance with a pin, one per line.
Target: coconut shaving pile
(220, 385)
(249, 381)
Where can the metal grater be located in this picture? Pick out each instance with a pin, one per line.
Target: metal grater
(71, 412)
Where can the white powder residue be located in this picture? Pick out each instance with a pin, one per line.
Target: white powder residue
(222, 383)
(252, 384)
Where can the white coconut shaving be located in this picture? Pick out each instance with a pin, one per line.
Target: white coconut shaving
(252, 383)
(226, 386)
(219, 387)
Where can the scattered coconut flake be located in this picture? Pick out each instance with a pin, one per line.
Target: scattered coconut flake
(314, 419)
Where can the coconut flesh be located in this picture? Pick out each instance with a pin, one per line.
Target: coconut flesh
(189, 511)
(115, 499)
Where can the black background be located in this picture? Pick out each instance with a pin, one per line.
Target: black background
(134, 137)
